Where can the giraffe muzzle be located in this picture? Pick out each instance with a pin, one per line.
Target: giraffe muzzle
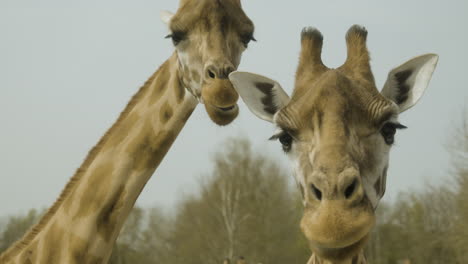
(335, 227)
(220, 101)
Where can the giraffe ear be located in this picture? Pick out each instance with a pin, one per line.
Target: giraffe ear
(263, 96)
(166, 16)
(406, 84)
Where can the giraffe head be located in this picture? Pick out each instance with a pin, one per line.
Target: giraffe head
(209, 37)
(337, 129)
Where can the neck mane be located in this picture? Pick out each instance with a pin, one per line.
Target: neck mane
(85, 220)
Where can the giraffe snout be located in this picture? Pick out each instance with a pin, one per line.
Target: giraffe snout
(346, 186)
(220, 70)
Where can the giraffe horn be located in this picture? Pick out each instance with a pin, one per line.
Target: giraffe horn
(310, 59)
(358, 59)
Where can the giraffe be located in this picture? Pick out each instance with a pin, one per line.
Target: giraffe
(337, 129)
(82, 225)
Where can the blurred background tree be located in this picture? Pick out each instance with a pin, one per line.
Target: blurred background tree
(245, 208)
(16, 226)
(429, 226)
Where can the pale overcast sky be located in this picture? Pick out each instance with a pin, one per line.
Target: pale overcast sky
(67, 69)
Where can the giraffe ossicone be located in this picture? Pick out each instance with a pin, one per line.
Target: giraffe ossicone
(82, 225)
(337, 129)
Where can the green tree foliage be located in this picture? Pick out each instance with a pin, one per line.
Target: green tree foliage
(415, 228)
(429, 226)
(460, 160)
(16, 227)
(245, 208)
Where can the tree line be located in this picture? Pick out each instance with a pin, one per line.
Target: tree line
(246, 209)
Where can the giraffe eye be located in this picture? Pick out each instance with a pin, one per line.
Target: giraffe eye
(388, 132)
(246, 38)
(177, 37)
(286, 140)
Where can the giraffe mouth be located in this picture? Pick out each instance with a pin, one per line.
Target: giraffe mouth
(222, 115)
(337, 231)
(227, 109)
(337, 254)
(220, 100)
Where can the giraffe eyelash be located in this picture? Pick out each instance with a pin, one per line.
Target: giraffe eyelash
(176, 36)
(276, 135)
(285, 138)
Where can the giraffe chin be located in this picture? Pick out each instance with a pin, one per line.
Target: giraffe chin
(222, 116)
(340, 254)
(220, 99)
(336, 229)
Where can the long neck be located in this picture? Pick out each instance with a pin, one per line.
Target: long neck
(83, 224)
(358, 259)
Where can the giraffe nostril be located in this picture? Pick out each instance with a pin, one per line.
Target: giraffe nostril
(350, 189)
(316, 192)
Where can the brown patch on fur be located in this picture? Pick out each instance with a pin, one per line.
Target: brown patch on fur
(165, 113)
(91, 201)
(31, 234)
(79, 247)
(161, 145)
(141, 149)
(80, 251)
(108, 217)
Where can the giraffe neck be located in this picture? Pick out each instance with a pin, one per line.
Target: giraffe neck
(83, 224)
(358, 259)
